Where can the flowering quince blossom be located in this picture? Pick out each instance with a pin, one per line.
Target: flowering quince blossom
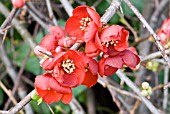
(112, 38)
(69, 68)
(50, 90)
(164, 33)
(66, 68)
(84, 24)
(108, 65)
(18, 3)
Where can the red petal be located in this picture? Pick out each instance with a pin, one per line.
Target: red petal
(52, 96)
(90, 31)
(81, 12)
(58, 87)
(99, 43)
(57, 31)
(72, 28)
(94, 15)
(69, 80)
(123, 42)
(101, 66)
(40, 92)
(93, 66)
(89, 79)
(49, 42)
(66, 99)
(130, 59)
(47, 64)
(91, 49)
(115, 61)
(108, 71)
(110, 32)
(66, 42)
(41, 81)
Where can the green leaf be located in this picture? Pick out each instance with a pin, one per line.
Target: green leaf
(137, 3)
(78, 90)
(1, 96)
(101, 8)
(61, 22)
(40, 109)
(32, 64)
(34, 96)
(39, 101)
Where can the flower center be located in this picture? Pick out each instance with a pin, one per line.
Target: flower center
(84, 23)
(68, 66)
(112, 42)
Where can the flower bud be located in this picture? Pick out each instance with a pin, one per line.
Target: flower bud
(145, 85)
(18, 3)
(144, 93)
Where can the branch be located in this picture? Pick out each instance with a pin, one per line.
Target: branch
(21, 104)
(154, 55)
(67, 7)
(20, 28)
(165, 92)
(145, 24)
(51, 15)
(150, 106)
(110, 11)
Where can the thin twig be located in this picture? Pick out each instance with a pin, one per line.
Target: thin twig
(154, 55)
(123, 92)
(165, 93)
(20, 28)
(137, 91)
(136, 105)
(4, 112)
(17, 81)
(110, 11)
(21, 104)
(157, 12)
(9, 19)
(50, 109)
(8, 93)
(67, 7)
(39, 14)
(76, 107)
(129, 27)
(145, 24)
(51, 15)
(43, 24)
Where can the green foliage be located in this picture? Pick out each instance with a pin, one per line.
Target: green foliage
(78, 90)
(137, 3)
(32, 65)
(1, 96)
(40, 109)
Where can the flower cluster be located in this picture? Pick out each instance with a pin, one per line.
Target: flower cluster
(66, 68)
(164, 33)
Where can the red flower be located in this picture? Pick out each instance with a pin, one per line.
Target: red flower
(84, 24)
(69, 68)
(49, 42)
(18, 3)
(50, 90)
(164, 33)
(108, 65)
(91, 70)
(112, 38)
(57, 31)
